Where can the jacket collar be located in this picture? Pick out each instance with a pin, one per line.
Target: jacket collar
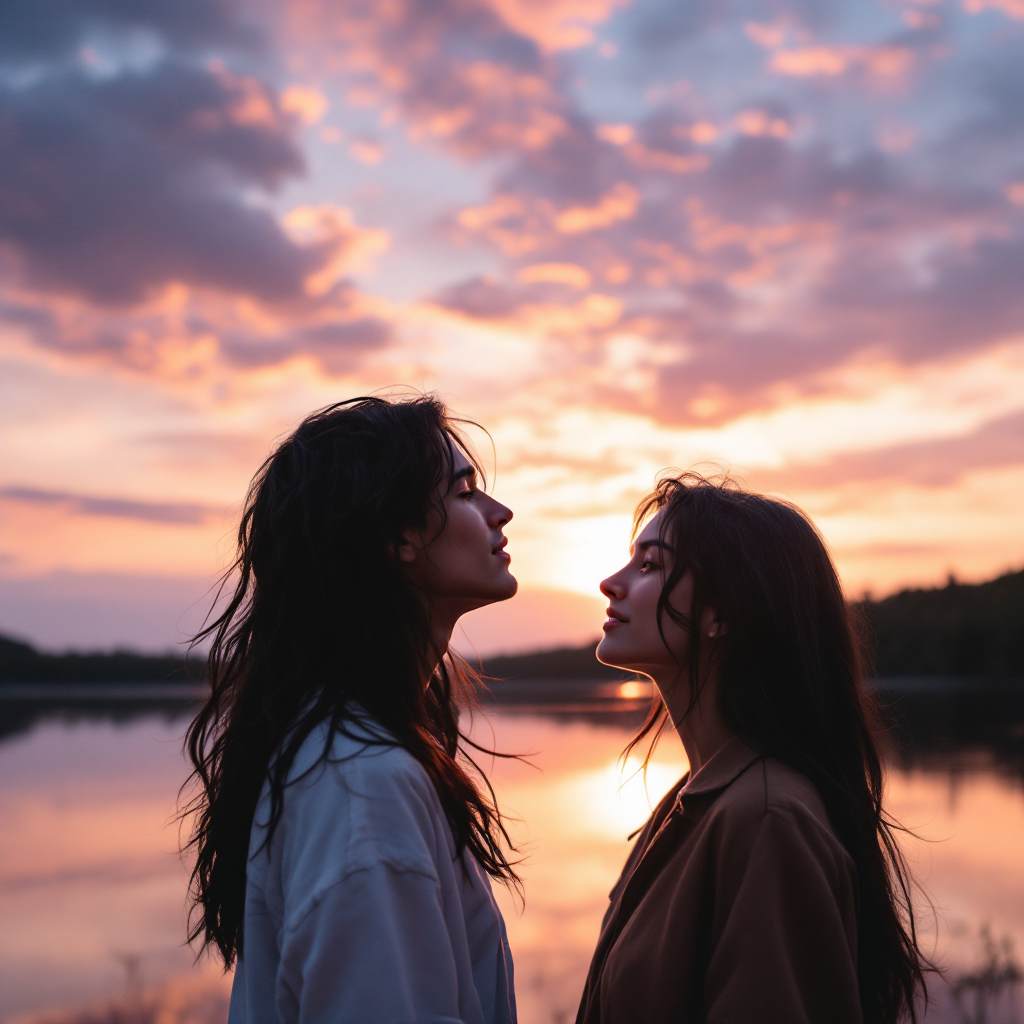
(726, 764)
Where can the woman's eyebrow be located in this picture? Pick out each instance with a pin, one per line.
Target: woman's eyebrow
(469, 472)
(644, 545)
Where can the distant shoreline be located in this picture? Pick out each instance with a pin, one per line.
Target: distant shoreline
(142, 690)
(939, 720)
(954, 632)
(536, 689)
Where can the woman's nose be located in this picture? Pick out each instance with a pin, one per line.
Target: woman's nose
(499, 514)
(611, 587)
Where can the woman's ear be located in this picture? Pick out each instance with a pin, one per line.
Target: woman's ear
(713, 626)
(407, 547)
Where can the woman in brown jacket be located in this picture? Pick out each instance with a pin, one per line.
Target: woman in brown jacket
(768, 887)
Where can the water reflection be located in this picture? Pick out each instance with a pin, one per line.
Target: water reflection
(89, 873)
(93, 891)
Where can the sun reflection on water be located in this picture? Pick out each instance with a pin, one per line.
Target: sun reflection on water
(635, 689)
(617, 798)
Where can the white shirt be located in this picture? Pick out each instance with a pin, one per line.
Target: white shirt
(359, 912)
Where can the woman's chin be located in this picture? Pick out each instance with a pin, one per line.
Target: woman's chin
(607, 655)
(500, 588)
(508, 586)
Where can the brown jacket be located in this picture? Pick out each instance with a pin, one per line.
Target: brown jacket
(737, 906)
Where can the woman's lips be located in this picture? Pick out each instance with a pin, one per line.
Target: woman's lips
(613, 621)
(500, 551)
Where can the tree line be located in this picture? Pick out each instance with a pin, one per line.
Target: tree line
(956, 630)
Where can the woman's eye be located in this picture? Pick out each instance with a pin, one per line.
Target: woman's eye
(647, 565)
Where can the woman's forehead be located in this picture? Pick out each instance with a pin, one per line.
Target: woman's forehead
(650, 532)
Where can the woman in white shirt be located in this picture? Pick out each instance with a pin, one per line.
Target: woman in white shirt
(343, 836)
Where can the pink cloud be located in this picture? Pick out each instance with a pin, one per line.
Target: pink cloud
(305, 102)
(661, 160)
(556, 24)
(180, 513)
(1011, 8)
(620, 203)
(495, 94)
(555, 273)
(758, 122)
(812, 60)
(183, 334)
(883, 62)
(616, 134)
(771, 37)
(932, 464)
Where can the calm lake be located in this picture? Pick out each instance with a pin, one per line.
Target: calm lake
(92, 891)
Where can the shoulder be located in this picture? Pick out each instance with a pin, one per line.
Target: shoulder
(771, 806)
(769, 786)
(354, 763)
(351, 804)
(373, 767)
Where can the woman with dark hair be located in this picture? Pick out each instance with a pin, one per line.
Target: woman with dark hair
(768, 886)
(343, 835)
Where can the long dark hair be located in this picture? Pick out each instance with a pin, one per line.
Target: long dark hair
(322, 616)
(792, 685)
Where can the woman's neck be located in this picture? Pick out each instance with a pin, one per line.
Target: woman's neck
(440, 637)
(702, 728)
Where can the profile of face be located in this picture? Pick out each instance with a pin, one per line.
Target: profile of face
(631, 636)
(459, 560)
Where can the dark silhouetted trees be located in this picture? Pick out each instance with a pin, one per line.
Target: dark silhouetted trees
(956, 630)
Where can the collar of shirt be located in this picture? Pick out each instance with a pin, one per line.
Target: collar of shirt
(726, 764)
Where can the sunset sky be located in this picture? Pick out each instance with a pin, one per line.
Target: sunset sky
(785, 239)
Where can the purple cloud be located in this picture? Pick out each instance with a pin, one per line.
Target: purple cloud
(112, 187)
(139, 146)
(176, 513)
(933, 463)
(31, 31)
